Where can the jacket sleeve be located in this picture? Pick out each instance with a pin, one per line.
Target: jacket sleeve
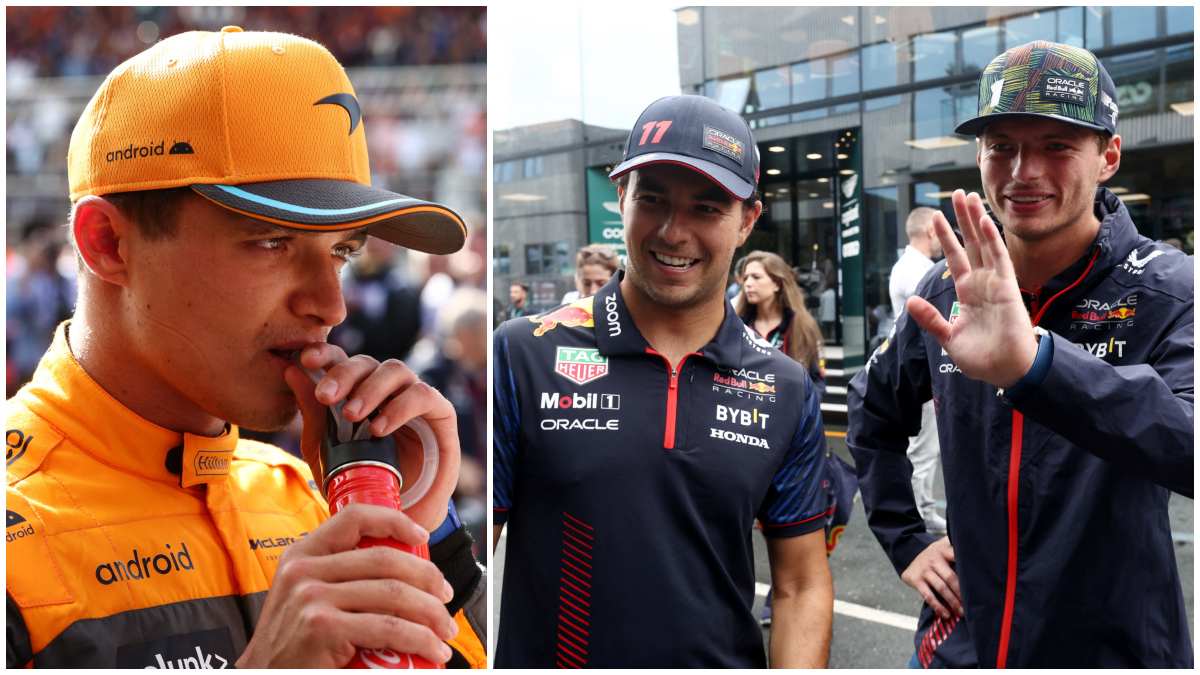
(19, 650)
(796, 502)
(1139, 416)
(506, 425)
(453, 556)
(884, 402)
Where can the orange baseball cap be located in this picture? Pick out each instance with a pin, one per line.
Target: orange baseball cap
(263, 124)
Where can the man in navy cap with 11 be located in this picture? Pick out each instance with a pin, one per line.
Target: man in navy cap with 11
(640, 432)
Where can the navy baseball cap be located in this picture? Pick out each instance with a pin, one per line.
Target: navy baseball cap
(695, 132)
(1046, 79)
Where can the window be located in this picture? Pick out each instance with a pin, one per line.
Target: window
(1136, 77)
(1179, 74)
(1093, 18)
(933, 111)
(843, 80)
(772, 88)
(533, 258)
(879, 66)
(1133, 24)
(808, 81)
(501, 261)
(1180, 20)
(534, 167)
(1023, 29)
(505, 172)
(933, 55)
(548, 258)
(980, 46)
(733, 93)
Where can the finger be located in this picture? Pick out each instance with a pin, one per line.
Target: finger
(343, 377)
(312, 413)
(956, 258)
(418, 400)
(947, 549)
(932, 600)
(982, 224)
(996, 251)
(384, 381)
(929, 319)
(968, 226)
(391, 597)
(380, 631)
(941, 590)
(947, 586)
(344, 530)
(375, 562)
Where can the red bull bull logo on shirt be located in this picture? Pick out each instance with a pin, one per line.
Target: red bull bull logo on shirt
(570, 316)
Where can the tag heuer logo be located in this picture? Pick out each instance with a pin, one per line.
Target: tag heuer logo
(580, 365)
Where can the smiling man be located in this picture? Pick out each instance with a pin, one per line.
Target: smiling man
(1059, 354)
(639, 433)
(219, 182)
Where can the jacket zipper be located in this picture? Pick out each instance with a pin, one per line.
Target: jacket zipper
(672, 396)
(1014, 481)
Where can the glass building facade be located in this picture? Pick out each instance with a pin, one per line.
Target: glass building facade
(854, 109)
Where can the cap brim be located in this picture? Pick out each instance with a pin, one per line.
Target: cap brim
(728, 180)
(332, 205)
(975, 126)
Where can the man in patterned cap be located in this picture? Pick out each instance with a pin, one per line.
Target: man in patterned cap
(1058, 352)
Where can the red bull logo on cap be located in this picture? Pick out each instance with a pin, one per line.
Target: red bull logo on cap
(574, 315)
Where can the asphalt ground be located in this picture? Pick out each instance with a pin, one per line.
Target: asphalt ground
(875, 614)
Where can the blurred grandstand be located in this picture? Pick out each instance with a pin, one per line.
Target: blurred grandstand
(419, 73)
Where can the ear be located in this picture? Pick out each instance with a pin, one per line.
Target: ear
(1111, 158)
(749, 218)
(100, 231)
(621, 197)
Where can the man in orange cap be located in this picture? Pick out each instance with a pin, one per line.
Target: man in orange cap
(219, 183)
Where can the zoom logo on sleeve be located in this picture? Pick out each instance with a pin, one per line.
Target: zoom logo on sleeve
(202, 650)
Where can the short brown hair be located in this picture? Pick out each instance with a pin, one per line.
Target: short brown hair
(154, 212)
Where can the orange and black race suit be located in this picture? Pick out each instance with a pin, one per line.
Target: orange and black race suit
(131, 545)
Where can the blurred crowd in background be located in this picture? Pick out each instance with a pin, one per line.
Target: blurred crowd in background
(420, 75)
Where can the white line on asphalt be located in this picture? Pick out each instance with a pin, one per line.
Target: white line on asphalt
(856, 611)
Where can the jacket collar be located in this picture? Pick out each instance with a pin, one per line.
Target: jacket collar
(66, 396)
(616, 333)
(1116, 237)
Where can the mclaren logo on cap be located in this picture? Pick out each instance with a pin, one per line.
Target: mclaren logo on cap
(347, 103)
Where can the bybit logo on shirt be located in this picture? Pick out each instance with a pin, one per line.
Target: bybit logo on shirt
(745, 418)
(1103, 349)
(140, 567)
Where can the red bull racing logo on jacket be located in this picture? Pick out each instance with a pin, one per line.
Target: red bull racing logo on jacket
(574, 315)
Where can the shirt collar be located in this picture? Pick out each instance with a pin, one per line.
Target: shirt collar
(65, 395)
(617, 335)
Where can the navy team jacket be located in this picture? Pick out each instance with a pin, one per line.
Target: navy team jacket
(630, 486)
(1057, 494)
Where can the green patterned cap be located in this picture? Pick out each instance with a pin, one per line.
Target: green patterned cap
(1046, 79)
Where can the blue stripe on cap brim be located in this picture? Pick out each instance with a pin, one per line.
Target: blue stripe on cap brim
(331, 205)
(728, 180)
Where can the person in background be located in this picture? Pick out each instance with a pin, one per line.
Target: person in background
(771, 303)
(383, 305)
(908, 271)
(458, 369)
(594, 266)
(518, 296)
